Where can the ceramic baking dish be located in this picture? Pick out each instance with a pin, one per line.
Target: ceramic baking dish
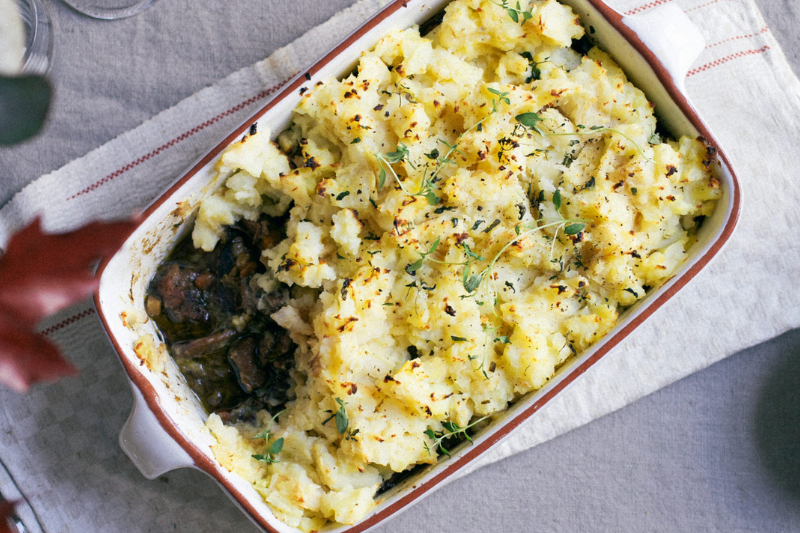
(165, 429)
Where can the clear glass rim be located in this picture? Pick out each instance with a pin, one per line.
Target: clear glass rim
(38, 56)
(103, 13)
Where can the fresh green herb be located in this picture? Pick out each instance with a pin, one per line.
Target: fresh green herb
(472, 282)
(458, 339)
(402, 154)
(492, 225)
(381, 177)
(356, 140)
(340, 415)
(471, 254)
(477, 223)
(515, 13)
(534, 66)
(342, 195)
(433, 155)
(574, 229)
(501, 95)
(272, 449)
(530, 120)
(402, 91)
(398, 155)
(416, 265)
(502, 338)
(427, 188)
(451, 430)
(635, 191)
(412, 268)
(632, 292)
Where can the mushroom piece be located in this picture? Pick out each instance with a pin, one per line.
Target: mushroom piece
(203, 346)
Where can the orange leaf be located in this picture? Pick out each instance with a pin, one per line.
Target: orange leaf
(6, 512)
(39, 275)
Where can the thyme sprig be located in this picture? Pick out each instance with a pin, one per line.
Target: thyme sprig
(341, 418)
(515, 13)
(570, 226)
(400, 94)
(416, 265)
(401, 153)
(490, 333)
(531, 120)
(470, 257)
(427, 187)
(472, 282)
(272, 449)
(451, 429)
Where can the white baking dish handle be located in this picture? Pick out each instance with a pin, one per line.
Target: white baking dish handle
(144, 441)
(672, 37)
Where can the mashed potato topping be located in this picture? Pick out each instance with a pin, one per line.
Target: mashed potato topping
(465, 212)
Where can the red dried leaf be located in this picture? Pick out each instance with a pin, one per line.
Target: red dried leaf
(6, 512)
(39, 275)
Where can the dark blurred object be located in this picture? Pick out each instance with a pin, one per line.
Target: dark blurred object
(777, 422)
(24, 103)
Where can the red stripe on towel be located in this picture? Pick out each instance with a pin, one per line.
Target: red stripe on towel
(765, 29)
(724, 60)
(703, 5)
(66, 322)
(647, 6)
(182, 137)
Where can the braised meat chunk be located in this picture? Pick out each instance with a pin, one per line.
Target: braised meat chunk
(181, 298)
(216, 321)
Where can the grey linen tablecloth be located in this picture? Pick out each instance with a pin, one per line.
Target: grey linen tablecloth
(714, 452)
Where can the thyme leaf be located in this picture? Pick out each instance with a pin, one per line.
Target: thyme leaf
(340, 417)
(529, 120)
(271, 449)
(514, 13)
(451, 430)
(398, 155)
(574, 229)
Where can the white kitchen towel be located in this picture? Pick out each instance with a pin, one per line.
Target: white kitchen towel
(743, 87)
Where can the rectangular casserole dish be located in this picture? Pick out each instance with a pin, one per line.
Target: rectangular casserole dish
(166, 428)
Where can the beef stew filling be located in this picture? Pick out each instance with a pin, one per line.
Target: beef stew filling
(216, 321)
